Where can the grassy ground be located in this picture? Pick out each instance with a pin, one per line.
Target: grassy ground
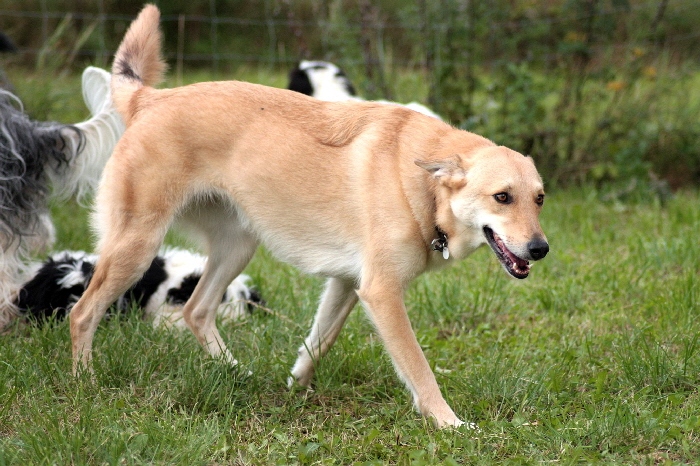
(594, 358)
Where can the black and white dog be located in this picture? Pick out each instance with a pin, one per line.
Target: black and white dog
(57, 283)
(39, 160)
(6, 46)
(326, 81)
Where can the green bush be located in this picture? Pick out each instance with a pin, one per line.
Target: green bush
(600, 91)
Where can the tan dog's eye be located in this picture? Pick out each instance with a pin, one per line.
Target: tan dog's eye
(503, 198)
(540, 199)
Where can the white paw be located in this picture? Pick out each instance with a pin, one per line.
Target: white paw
(456, 423)
(293, 382)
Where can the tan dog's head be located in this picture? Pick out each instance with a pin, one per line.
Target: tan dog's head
(497, 195)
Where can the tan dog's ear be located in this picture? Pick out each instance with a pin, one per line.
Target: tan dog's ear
(447, 171)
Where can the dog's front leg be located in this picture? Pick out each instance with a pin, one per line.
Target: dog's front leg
(230, 250)
(383, 300)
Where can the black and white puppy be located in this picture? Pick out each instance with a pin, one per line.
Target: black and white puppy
(326, 81)
(57, 284)
(6, 46)
(42, 160)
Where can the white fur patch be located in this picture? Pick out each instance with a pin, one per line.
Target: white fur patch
(331, 85)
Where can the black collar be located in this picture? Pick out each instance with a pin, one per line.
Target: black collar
(439, 243)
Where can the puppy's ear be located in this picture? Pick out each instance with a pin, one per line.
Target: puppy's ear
(448, 171)
(346, 82)
(299, 81)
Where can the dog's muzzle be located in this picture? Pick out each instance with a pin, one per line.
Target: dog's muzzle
(515, 265)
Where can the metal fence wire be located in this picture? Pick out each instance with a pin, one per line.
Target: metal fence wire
(354, 32)
(567, 80)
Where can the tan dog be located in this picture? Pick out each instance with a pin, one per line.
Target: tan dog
(361, 193)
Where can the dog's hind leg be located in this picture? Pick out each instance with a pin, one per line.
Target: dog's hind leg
(125, 254)
(230, 248)
(338, 300)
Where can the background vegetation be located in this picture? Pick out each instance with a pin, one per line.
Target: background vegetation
(602, 91)
(593, 359)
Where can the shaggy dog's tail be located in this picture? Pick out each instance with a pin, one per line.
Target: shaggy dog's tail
(138, 61)
(91, 145)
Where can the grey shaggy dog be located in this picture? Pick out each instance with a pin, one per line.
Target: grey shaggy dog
(31, 153)
(43, 160)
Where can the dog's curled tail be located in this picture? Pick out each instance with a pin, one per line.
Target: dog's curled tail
(138, 61)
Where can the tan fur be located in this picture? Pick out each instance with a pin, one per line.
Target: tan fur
(140, 49)
(333, 188)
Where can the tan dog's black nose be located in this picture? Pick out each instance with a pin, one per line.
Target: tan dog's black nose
(538, 248)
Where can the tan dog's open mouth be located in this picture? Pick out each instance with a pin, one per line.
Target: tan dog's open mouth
(517, 267)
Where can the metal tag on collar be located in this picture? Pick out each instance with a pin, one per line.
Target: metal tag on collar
(440, 244)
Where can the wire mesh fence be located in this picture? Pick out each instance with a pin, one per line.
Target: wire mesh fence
(597, 89)
(278, 32)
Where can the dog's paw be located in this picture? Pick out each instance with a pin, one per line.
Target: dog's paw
(225, 356)
(456, 423)
(452, 423)
(471, 427)
(293, 382)
(301, 373)
(228, 359)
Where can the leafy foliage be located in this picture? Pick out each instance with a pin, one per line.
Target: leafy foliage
(601, 91)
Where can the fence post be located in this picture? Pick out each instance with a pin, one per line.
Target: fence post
(44, 23)
(180, 47)
(104, 54)
(214, 24)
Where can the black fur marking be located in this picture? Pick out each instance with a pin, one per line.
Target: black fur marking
(6, 44)
(43, 297)
(349, 87)
(299, 82)
(255, 298)
(28, 150)
(141, 292)
(182, 294)
(124, 68)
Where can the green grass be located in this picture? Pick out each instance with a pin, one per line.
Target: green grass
(594, 358)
